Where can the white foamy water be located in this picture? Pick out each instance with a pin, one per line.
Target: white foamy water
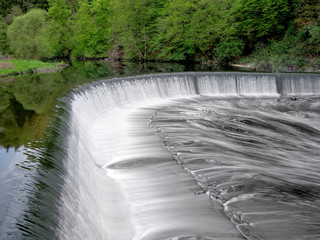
(258, 158)
(120, 182)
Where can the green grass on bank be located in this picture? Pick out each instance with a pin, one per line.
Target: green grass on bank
(20, 66)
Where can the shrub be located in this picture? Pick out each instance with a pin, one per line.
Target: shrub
(28, 35)
(229, 49)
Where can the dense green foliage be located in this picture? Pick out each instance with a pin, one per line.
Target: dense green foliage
(190, 30)
(91, 33)
(134, 25)
(3, 37)
(6, 6)
(28, 35)
(60, 12)
(298, 50)
(260, 20)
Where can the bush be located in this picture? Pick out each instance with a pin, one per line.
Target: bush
(227, 50)
(28, 35)
(259, 20)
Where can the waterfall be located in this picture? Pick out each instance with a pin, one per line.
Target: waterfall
(120, 182)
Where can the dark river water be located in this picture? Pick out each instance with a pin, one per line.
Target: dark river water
(199, 156)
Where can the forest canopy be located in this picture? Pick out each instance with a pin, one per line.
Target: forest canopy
(180, 30)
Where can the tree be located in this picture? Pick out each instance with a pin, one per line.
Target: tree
(226, 50)
(177, 18)
(191, 30)
(91, 29)
(258, 20)
(28, 35)
(61, 13)
(306, 11)
(210, 24)
(24, 5)
(134, 25)
(15, 11)
(3, 37)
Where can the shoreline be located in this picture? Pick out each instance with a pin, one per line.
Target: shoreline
(59, 67)
(37, 70)
(287, 69)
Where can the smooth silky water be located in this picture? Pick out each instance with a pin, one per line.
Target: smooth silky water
(186, 156)
(259, 158)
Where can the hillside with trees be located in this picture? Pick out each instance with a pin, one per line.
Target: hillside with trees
(272, 35)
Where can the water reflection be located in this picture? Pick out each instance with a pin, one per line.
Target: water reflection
(16, 184)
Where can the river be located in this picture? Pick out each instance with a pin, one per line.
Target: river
(174, 156)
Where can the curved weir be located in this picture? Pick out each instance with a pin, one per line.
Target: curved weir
(120, 180)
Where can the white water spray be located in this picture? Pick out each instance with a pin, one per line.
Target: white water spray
(120, 182)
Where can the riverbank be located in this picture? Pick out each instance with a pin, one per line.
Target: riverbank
(15, 67)
(12, 67)
(273, 65)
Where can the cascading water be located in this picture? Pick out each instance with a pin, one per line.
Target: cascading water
(258, 158)
(252, 160)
